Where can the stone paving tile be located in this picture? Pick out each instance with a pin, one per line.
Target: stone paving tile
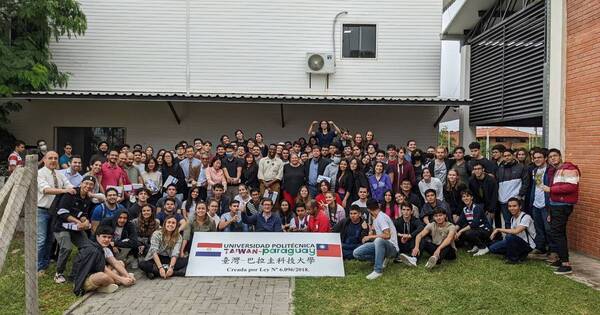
(585, 270)
(195, 295)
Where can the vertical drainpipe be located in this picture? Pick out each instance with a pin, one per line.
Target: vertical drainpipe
(187, 47)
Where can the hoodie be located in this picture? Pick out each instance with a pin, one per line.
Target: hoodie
(128, 237)
(513, 180)
(564, 184)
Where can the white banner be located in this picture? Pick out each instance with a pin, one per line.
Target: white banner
(265, 254)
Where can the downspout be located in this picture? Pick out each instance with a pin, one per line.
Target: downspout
(187, 47)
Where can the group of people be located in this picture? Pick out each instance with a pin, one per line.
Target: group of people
(137, 208)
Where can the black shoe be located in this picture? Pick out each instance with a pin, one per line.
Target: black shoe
(179, 272)
(556, 264)
(512, 262)
(564, 270)
(150, 275)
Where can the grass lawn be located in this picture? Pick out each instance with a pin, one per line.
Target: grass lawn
(482, 285)
(54, 298)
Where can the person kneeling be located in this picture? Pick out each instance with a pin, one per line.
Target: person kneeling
(381, 244)
(352, 230)
(408, 227)
(521, 235)
(474, 226)
(441, 245)
(165, 245)
(96, 269)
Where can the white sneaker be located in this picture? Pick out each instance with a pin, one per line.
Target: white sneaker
(431, 262)
(482, 252)
(108, 289)
(59, 278)
(408, 260)
(472, 250)
(374, 275)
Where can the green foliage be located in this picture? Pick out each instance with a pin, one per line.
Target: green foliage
(443, 139)
(26, 29)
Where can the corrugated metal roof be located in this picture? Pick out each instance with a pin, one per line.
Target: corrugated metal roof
(243, 98)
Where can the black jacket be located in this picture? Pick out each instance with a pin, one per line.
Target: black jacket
(479, 218)
(176, 171)
(71, 205)
(322, 164)
(342, 226)
(89, 260)
(485, 192)
(413, 227)
(454, 199)
(129, 238)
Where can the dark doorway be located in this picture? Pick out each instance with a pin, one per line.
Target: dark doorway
(85, 139)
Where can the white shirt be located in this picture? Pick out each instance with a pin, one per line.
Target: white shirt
(383, 222)
(540, 197)
(46, 180)
(528, 235)
(435, 184)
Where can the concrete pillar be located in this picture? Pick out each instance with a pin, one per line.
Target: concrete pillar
(467, 132)
(554, 113)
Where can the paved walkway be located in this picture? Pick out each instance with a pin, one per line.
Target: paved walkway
(585, 270)
(195, 295)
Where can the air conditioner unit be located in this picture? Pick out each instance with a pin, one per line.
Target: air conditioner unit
(319, 63)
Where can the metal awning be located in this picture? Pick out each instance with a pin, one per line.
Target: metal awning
(237, 98)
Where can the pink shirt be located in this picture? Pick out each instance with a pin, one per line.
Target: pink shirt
(111, 175)
(215, 176)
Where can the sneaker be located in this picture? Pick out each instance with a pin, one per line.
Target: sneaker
(552, 257)
(108, 289)
(556, 264)
(374, 275)
(473, 250)
(537, 252)
(431, 262)
(408, 260)
(481, 252)
(563, 270)
(59, 278)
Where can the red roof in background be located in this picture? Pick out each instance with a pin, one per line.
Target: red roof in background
(503, 132)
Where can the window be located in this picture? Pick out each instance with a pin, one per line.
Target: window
(359, 41)
(85, 139)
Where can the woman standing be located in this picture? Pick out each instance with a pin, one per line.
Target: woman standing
(389, 205)
(379, 182)
(163, 259)
(171, 168)
(303, 196)
(293, 179)
(344, 183)
(188, 206)
(95, 172)
(152, 180)
(370, 139)
(360, 179)
(259, 140)
(239, 138)
(250, 172)
(215, 175)
(325, 134)
(452, 192)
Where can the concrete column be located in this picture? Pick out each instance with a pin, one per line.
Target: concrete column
(554, 114)
(467, 132)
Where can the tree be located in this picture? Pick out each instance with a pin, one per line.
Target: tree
(26, 29)
(443, 138)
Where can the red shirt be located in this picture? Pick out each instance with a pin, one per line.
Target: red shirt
(15, 159)
(112, 175)
(320, 223)
(321, 198)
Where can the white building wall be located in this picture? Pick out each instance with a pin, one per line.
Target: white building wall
(254, 46)
(152, 123)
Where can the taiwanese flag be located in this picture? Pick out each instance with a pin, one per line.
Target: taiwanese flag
(329, 250)
(209, 249)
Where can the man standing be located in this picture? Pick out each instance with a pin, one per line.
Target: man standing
(497, 154)
(460, 165)
(399, 170)
(112, 174)
(233, 165)
(270, 172)
(72, 172)
(539, 201)
(476, 156)
(102, 152)
(198, 175)
(331, 170)
(440, 165)
(187, 165)
(313, 168)
(485, 190)
(50, 183)
(513, 181)
(564, 194)
(411, 146)
(14, 159)
(65, 160)
(137, 160)
(381, 245)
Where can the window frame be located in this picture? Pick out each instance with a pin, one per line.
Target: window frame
(376, 25)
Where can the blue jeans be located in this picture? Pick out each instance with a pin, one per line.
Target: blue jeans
(44, 239)
(312, 190)
(376, 251)
(542, 230)
(505, 215)
(512, 247)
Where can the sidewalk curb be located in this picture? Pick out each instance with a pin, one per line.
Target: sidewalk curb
(78, 303)
(292, 288)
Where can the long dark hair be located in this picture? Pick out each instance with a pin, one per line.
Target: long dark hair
(190, 201)
(147, 226)
(253, 160)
